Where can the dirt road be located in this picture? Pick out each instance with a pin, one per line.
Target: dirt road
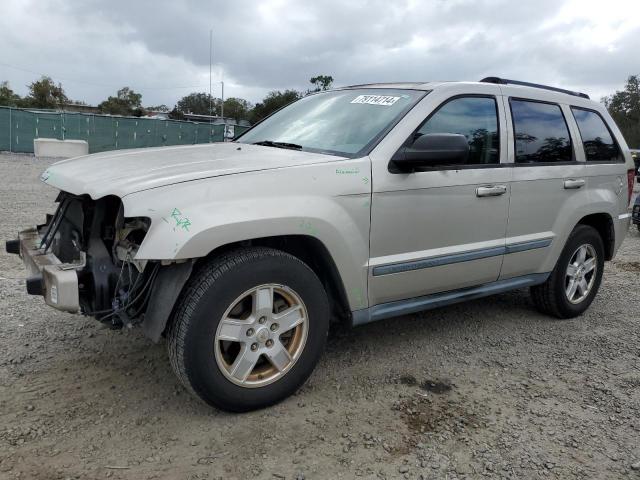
(487, 389)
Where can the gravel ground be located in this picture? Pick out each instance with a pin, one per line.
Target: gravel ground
(489, 388)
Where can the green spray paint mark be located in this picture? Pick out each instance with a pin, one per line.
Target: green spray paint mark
(358, 296)
(306, 226)
(347, 171)
(181, 221)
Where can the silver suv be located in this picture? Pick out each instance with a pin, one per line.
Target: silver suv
(356, 204)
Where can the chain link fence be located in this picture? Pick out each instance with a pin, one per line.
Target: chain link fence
(19, 127)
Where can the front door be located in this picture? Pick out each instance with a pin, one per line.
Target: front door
(443, 228)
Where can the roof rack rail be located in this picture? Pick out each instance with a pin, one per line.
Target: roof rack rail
(504, 81)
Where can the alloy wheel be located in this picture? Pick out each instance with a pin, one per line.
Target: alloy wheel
(261, 335)
(581, 273)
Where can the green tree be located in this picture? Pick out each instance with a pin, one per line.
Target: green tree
(126, 102)
(7, 96)
(44, 93)
(198, 103)
(321, 82)
(176, 114)
(273, 101)
(624, 107)
(237, 108)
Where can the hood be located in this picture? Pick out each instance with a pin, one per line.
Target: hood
(127, 171)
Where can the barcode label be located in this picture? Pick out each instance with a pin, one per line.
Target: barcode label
(384, 100)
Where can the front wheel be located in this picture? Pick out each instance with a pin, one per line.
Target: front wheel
(575, 280)
(249, 329)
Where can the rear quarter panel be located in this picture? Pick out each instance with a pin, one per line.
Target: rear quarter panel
(607, 182)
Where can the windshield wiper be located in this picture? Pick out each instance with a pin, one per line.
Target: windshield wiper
(271, 143)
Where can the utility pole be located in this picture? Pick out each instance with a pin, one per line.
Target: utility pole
(210, 59)
(222, 106)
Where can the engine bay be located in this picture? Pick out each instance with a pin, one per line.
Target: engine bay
(94, 235)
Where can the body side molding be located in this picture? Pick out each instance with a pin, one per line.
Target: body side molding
(427, 302)
(459, 257)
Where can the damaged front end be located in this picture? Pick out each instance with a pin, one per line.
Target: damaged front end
(82, 259)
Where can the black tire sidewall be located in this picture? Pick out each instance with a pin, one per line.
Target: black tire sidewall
(199, 356)
(581, 236)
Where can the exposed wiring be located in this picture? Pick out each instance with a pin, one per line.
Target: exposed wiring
(130, 302)
(119, 278)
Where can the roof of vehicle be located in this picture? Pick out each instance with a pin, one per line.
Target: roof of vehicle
(400, 85)
(514, 85)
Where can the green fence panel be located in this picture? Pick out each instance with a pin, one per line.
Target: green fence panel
(203, 133)
(5, 133)
(126, 132)
(76, 126)
(102, 134)
(145, 132)
(23, 132)
(176, 134)
(48, 125)
(218, 133)
(239, 129)
(18, 128)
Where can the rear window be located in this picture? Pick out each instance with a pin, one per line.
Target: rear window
(541, 132)
(597, 140)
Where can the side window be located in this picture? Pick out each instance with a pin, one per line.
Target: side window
(596, 138)
(541, 132)
(474, 117)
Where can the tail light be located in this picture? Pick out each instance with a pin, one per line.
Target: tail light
(631, 176)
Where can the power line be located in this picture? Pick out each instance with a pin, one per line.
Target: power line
(68, 80)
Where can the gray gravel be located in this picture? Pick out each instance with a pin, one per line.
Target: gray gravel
(488, 389)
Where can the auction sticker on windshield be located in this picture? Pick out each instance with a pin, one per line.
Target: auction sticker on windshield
(384, 100)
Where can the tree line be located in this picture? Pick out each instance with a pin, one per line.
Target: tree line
(624, 105)
(46, 94)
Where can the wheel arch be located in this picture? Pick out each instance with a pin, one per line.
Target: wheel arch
(603, 224)
(312, 252)
(308, 249)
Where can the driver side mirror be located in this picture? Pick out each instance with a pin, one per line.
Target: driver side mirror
(432, 150)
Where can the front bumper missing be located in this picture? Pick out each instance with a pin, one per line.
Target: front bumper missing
(57, 282)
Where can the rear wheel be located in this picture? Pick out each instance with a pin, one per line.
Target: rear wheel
(576, 278)
(249, 329)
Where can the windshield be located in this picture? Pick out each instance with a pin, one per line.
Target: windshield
(339, 122)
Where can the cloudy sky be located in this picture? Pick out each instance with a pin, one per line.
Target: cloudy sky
(161, 47)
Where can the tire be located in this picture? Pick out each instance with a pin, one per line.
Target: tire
(204, 363)
(551, 297)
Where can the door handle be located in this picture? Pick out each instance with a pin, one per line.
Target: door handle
(572, 183)
(491, 191)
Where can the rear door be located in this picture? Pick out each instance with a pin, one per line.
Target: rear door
(548, 187)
